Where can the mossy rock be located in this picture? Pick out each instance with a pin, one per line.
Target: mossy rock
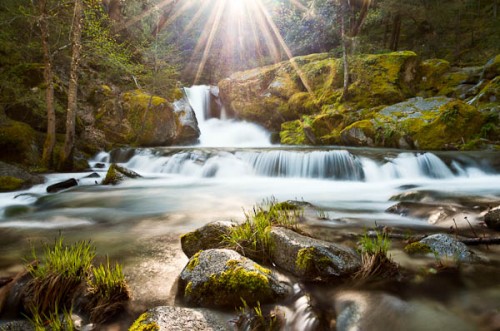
(207, 237)
(8, 183)
(361, 133)
(116, 174)
(324, 74)
(312, 259)
(292, 133)
(432, 71)
(489, 94)
(222, 278)
(138, 118)
(383, 79)
(417, 248)
(326, 127)
(19, 143)
(303, 103)
(142, 323)
(456, 124)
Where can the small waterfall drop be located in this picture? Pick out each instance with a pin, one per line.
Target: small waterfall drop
(223, 132)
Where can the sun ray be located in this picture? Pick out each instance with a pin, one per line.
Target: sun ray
(177, 13)
(221, 4)
(285, 47)
(269, 40)
(146, 13)
(196, 17)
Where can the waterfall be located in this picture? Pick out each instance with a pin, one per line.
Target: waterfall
(223, 132)
(323, 164)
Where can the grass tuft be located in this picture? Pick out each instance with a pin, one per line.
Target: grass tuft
(252, 238)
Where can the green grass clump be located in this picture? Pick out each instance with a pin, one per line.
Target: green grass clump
(252, 238)
(64, 275)
(374, 245)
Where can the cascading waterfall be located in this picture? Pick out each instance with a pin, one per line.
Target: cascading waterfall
(223, 132)
(322, 164)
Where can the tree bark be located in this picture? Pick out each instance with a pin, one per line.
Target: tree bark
(344, 37)
(50, 139)
(396, 32)
(76, 36)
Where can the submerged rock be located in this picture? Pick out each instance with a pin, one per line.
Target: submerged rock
(179, 319)
(207, 237)
(21, 325)
(446, 246)
(116, 174)
(312, 259)
(222, 278)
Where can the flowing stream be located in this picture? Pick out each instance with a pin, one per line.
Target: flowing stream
(233, 167)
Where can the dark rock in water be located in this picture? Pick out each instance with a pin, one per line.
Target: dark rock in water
(491, 68)
(492, 219)
(179, 319)
(12, 296)
(116, 174)
(446, 246)
(312, 259)
(93, 175)
(207, 237)
(99, 165)
(13, 178)
(222, 278)
(62, 185)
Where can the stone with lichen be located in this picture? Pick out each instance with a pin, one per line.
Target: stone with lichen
(222, 278)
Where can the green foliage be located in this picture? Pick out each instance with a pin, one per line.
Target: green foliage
(252, 238)
(372, 245)
(72, 261)
(254, 318)
(53, 321)
(107, 279)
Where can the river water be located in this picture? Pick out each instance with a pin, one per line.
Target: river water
(234, 167)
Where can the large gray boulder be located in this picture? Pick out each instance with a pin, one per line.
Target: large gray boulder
(222, 278)
(180, 319)
(445, 246)
(189, 132)
(312, 259)
(207, 237)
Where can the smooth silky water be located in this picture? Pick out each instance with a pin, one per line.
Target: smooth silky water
(234, 167)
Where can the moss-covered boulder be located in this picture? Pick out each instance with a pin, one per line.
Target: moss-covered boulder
(19, 142)
(361, 133)
(492, 219)
(312, 259)
(13, 178)
(207, 237)
(489, 94)
(432, 123)
(383, 79)
(141, 119)
(292, 133)
(116, 174)
(222, 278)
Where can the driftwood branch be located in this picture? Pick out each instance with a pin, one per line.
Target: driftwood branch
(476, 241)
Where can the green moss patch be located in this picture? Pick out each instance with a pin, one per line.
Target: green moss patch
(8, 183)
(142, 324)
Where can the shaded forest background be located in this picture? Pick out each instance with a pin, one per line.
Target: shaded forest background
(160, 45)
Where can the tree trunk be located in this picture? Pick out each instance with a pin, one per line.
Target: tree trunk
(345, 50)
(69, 142)
(396, 32)
(50, 139)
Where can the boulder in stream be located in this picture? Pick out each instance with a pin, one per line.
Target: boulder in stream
(445, 246)
(312, 259)
(222, 278)
(14, 178)
(178, 319)
(116, 174)
(207, 237)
